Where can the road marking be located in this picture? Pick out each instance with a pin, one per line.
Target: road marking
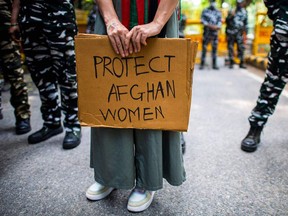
(260, 79)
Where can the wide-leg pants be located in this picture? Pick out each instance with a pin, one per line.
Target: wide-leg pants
(123, 158)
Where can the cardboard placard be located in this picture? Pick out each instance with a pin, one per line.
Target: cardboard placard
(147, 90)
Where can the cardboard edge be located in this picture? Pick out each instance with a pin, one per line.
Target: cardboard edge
(193, 46)
(81, 36)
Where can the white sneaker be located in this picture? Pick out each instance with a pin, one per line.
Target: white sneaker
(97, 191)
(140, 200)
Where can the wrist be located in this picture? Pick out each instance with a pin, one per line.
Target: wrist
(111, 26)
(158, 25)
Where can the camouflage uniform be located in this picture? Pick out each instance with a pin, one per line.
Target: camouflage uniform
(10, 63)
(48, 31)
(236, 26)
(277, 70)
(91, 19)
(210, 16)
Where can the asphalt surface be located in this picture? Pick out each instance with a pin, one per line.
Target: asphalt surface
(44, 179)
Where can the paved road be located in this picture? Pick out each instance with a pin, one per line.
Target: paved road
(44, 179)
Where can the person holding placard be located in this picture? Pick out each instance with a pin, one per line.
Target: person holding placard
(133, 158)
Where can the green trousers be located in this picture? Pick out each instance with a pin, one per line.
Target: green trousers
(123, 158)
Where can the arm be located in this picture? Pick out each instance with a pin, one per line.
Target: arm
(14, 28)
(164, 12)
(277, 10)
(271, 6)
(140, 33)
(219, 21)
(246, 24)
(115, 30)
(229, 17)
(205, 22)
(203, 18)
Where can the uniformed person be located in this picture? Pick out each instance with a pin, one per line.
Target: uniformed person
(211, 20)
(182, 25)
(92, 18)
(236, 22)
(47, 30)
(276, 74)
(10, 64)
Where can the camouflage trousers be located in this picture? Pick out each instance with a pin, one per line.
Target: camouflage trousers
(274, 82)
(10, 63)
(50, 57)
(231, 40)
(209, 38)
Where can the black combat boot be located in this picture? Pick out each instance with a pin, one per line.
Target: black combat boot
(201, 65)
(215, 67)
(44, 133)
(22, 126)
(251, 141)
(241, 65)
(72, 139)
(231, 64)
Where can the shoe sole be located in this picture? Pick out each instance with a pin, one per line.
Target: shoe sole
(48, 136)
(142, 207)
(100, 196)
(248, 149)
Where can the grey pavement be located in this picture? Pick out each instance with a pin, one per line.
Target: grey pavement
(44, 179)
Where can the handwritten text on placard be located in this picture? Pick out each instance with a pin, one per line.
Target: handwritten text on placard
(106, 67)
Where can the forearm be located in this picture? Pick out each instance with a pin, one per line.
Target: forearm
(204, 22)
(15, 11)
(164, 12)
(246, 25)
(219, 23)
(107, 10)
(116, 31)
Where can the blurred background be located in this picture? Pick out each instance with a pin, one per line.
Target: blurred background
(256, 41)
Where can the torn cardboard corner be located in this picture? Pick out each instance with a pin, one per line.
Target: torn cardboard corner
(151, 89)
